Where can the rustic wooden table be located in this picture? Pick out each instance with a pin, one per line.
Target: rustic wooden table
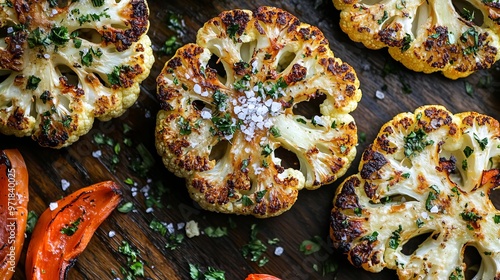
(310, 215)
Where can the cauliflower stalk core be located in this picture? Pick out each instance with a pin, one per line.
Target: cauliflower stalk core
(455, 37)
(432, 173)
(228, 105)
(63, 66)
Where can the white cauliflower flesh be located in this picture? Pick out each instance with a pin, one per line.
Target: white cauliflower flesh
(220, 129)
(61, 67)
(455, 37)
(430, 172)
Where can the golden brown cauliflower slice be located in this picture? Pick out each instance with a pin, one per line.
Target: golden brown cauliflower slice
(220, 129)
(430, 172)
(455, 37)
(61, 67)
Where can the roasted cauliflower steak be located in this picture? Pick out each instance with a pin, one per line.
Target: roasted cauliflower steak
(454, 37)
(62, 66)
(427, 173)
(221, 124)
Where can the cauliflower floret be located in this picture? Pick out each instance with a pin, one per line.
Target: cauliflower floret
(220, 129)
(427, 36)
(62, 67)
(430, 172)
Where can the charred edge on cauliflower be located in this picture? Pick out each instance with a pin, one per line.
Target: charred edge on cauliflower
(138, 14)
(11, 57)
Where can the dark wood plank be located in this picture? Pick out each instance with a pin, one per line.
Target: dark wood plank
(308, 218)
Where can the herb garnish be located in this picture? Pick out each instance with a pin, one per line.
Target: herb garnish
(70, 229)
(416, 142)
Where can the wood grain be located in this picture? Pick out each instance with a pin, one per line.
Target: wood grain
(310, 215)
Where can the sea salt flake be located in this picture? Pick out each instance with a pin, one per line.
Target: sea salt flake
(379, 95)
(434, 209)
(197, 89)
(97, 154)
(278, 251)
(64, 184)
(111, 233)
(53, 206)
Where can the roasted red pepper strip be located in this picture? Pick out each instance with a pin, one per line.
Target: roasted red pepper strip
(261, 277)
(60, 235)
(13, 209)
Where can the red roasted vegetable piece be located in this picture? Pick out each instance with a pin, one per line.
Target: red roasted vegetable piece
(63, 233)
(261, 277)
(13, 209)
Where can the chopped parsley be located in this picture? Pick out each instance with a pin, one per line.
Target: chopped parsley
(430, 198)
(266, 150)
(482, 142)
(114, 77)
(464, 165)
(473, 35)
(457, 274)
(33, 82)
(370, 238)
(496, 219)
(66, 121)
(134, 266)
(37, 38)
(223, 125)
(232, 30)
(394, 239)
(174, 240)
(97, 3)
(384, 17)
(70, 229)
(260, 195)
(216, 232)
(126, 207)
(405, 175)
(31, 221)
(416, 142)
(301, 120)
(358, 211)
(407, 39)
(88, 57)
(184, 126)
(311, 246)
(468, 151)
(247, 201)
(470, 216)
(158, 226)
(92, 17)
(275, 131)
(59, 35)
(171, 45)
(420, 223)
(244, 165)
(255, 248)
(210, 274)
(469, 89)
(77, 42)
(220, 100)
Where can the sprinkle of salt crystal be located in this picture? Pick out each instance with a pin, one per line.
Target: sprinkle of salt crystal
(434, 209)
(197, 89)
(64, 184)
(253, 112)
(53, 206)
(379, 94)
(279, 251)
